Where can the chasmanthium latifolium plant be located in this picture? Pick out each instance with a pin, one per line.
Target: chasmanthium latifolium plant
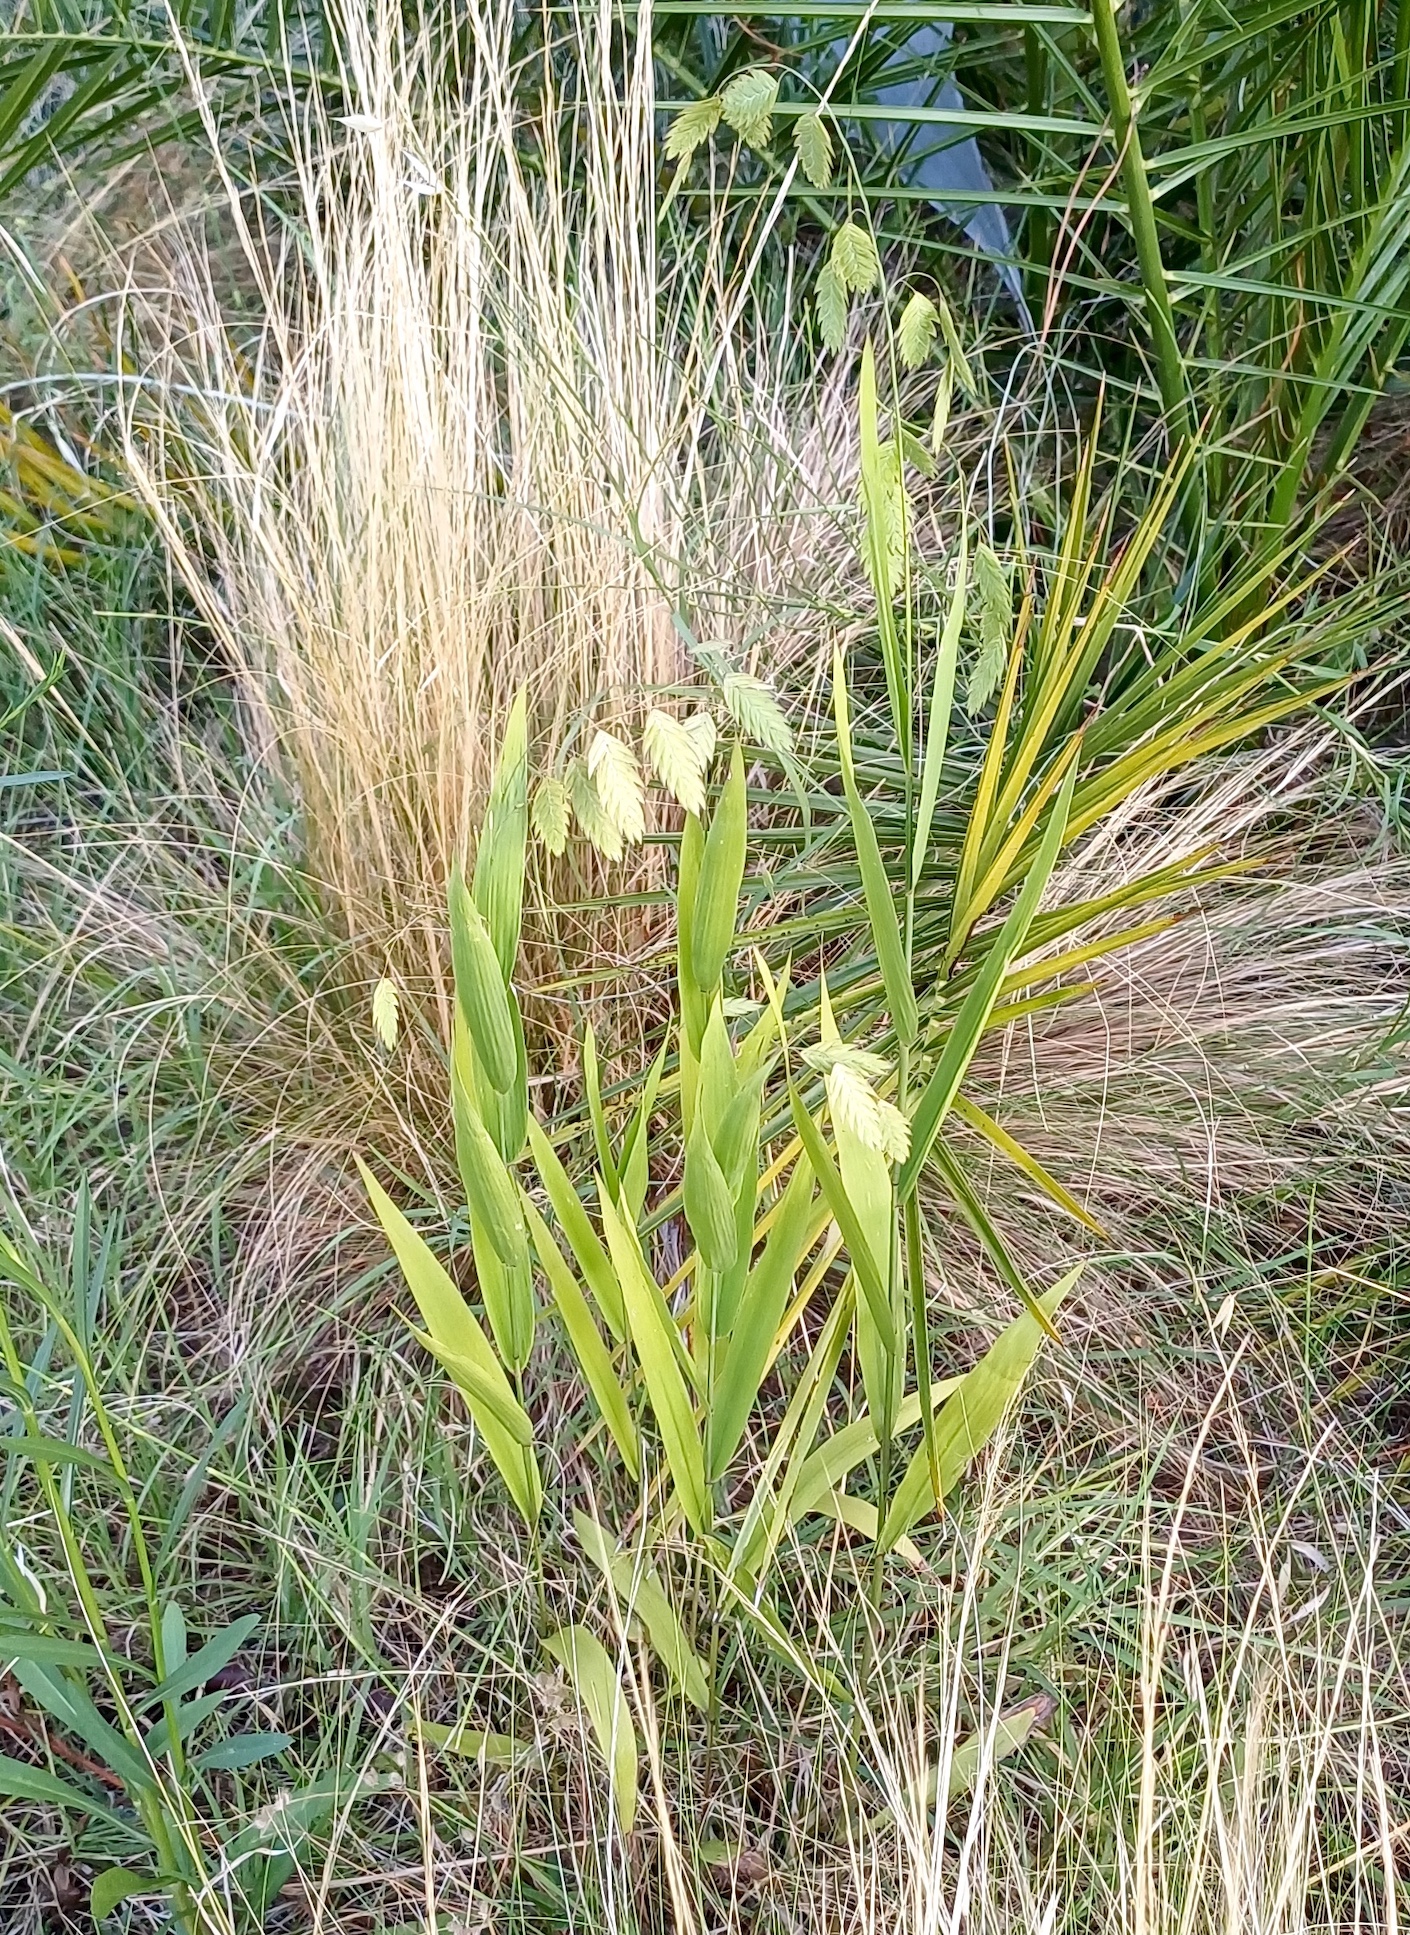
(790, 1204)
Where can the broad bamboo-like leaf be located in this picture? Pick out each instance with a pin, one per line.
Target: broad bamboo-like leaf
(982, 812)
(972, 1414)
(644, 1598)
(768, 1514)
(658, 1352)
(942, 698)
(747, 1349)
(592, 1354)
(883, 523)
(592, 1260)
(482, 995)
(999, 871)
(693, 998)
(827, 1467)
(709, 1206)
(498, 882)
(482, 1393)
(474, 1743)
(496, 1219)
(507, 1292)
(866, 1180)
(634, 1161)
(860, 1515)
(859, 1254)
(593, 1675)
(721, 872)
(452, 1324)
(592, 1088)
(1062, 965)
(506, 1114)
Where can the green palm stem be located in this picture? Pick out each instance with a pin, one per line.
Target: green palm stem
(1160, 316)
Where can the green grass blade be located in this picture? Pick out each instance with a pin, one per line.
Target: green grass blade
(977, 1216)
(845, 1216)
(644, 1598)
(756, 1322)
(657, 1347)
(972, 1414)
(498, 882)
(979, 1003)
(942, 699)
(452, 1324)
(594, 1360)
(589, 1667)
(880, 900)
(592, 1259)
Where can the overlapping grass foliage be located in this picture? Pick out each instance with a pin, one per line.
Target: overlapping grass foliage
(1077, 884)
(1221, 198)
(1199, 1611)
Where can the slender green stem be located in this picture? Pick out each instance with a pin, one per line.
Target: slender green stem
(1209, 256)
(920, 1329)
(1040, 220)
(712, 1715)
(535, 1541)
(878, 1557)
(1160, 316)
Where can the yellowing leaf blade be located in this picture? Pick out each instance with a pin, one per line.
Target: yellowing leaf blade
(594, 1679)
(972, 1414)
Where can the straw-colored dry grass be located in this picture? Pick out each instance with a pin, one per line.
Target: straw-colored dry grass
(1247, 1063)
(474, 437)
